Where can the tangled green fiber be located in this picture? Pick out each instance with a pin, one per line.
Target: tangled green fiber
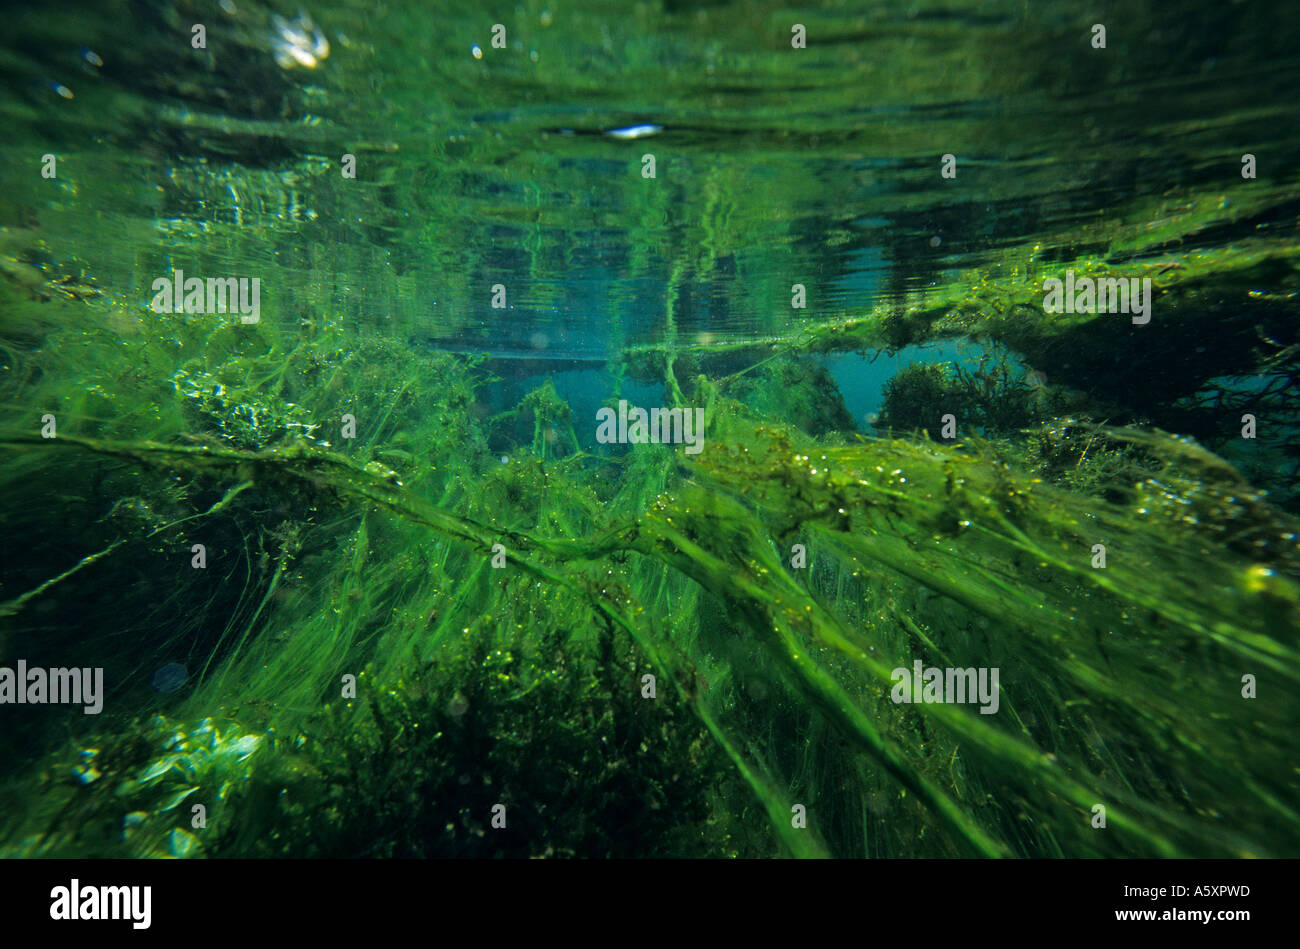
(915, 550)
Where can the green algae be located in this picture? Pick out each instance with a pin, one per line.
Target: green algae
(373, 556)
(917, 550)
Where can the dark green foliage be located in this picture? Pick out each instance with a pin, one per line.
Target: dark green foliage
(584, 766)
(794, 389)
(918, 397)
(995, 398)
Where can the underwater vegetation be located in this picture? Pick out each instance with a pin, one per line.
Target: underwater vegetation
(363, 584)
(524, 684)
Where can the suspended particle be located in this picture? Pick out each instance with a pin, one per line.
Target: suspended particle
(169, 678)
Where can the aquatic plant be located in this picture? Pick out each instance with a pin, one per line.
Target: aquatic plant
(916, 550)
(406, 595)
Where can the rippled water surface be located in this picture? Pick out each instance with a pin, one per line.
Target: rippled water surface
(775, 165)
